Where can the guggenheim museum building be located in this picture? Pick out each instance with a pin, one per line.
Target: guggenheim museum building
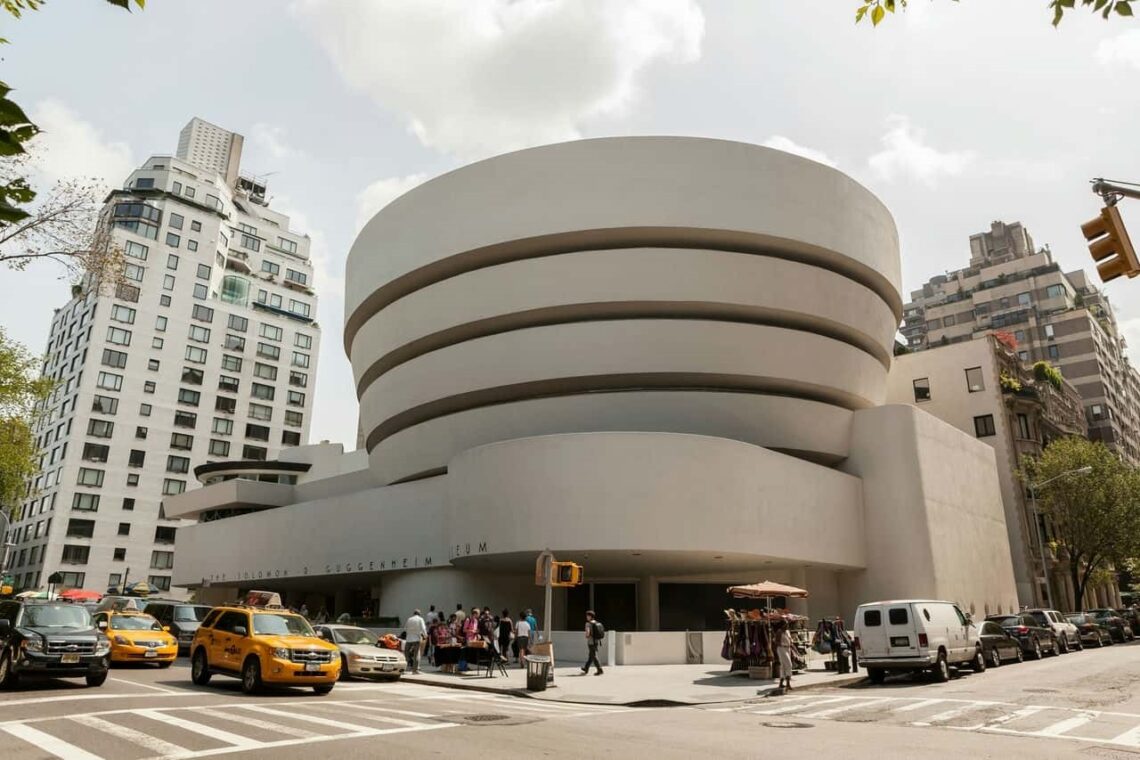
(664, 358)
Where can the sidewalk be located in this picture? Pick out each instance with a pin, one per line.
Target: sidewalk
(637, 684)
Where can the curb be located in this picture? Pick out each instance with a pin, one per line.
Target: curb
(524, 694)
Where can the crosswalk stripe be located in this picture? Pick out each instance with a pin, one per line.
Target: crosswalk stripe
(1130, 738)
(919, 705)
(411, 713)
(942, 717)
(200, 728)
(151, 743)
(266, 725)
(49, 743)
(352, 727)
(1063, 726)
(793, 708)
(372, 713)
(1024, 712)
(844, 708)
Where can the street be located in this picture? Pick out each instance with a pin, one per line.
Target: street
(1077, 705)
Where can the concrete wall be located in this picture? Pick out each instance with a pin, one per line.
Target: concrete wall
(931, 530)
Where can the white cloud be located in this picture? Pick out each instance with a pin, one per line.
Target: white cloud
(779, 142)
(271, 139)
(906, 155)
(1130, 329)
(67, 147)
(476, 77)
(382, 192)
(1121, 50)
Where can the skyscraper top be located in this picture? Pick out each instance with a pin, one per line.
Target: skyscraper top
(210, 147)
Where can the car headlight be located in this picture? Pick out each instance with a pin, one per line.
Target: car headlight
(281, 653)
(103, 646)
(34, 645)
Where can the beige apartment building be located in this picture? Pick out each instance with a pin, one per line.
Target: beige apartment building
(982, 388)
(1060, 317)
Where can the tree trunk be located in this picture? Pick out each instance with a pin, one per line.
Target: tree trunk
(1078, 586)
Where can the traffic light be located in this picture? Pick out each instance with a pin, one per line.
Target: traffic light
(567, 574)
(1110, 241)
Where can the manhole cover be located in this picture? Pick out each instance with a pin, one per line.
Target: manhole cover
(486, 718)
(785, 724)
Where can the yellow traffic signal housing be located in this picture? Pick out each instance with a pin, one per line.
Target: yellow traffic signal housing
(1109, 240)
(567, 574)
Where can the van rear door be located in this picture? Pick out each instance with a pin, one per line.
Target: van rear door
(902, 635)
(872, 633)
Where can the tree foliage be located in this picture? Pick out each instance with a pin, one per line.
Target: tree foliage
(1094, 517)
(21, 392)
(877, 10)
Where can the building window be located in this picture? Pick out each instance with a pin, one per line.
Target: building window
(922, 389)
(164, 300)
(270, 268)
(80, 528)
(250, 242)
(109, 381)
(201, 291)
(177, 464)
(95, 452)
(137, 458)
(120, 554)
(260, 412)
(1024, 299)
(1054, 290)
(135, 250)
(300, 379)
(1054, 351)
(195, 354)
(219, 448)
(298, 277)
(140, 433)
(118, 336)
(133, 479)
(68, 580)
(195, 226)
(160, 582)
(189, 397)
(1098, 412)
(123, 314)
(1023, 355)
(288, 246)
(202, 313)
(295, 398)
(1050, 333)
(300, 340)
(267, 351)
(1023, 429)
(270, 332)
(172, 240)
(984, 426)
(114, 580)
(228, 384)
(124, 529)
(100, 428)
(134, 272)
(257, 432)
(192, 245)
(199, 334)
(974, 380)
(192, 376)
(116, 359)
(237, 324)
(253, 453)
(181, 441)
(105, 405)
(203, 271)
(223, 426)
(171, 487)
(234, 343)
(300, 360)
(294, 419)
(225, 405)
(185, 419)
(161, 560)
(75, 555)
(265, 372)
(175, 221)
(265, 392)
(85, 502)
(235, 290)
(129, 505)
(290, 438)
(172, 264)
(89, 477)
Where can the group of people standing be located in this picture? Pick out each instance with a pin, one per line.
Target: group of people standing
(442, 639)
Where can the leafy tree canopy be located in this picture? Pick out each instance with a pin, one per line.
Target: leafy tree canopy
(21, 392)
(877, 10)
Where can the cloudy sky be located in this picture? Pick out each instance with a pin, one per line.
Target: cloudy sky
(955, 114)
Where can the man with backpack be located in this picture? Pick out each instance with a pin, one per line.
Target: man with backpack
(595, 633)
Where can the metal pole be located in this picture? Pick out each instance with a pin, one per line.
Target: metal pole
(6, 545)
(1041, 545)
(548, 561)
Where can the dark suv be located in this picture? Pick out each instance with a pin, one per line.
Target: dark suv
(180, 618)
(50, 639)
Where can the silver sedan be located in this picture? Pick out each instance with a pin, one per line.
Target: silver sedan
(360, 654)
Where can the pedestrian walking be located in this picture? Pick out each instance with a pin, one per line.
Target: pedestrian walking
(506, 628)
(595, 633)
(414, 634)
(784, 653)
(322, 616)
(522, 637)
(459, 613)
(533, 625)
(432, 615)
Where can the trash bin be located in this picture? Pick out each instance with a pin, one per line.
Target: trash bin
(537, 670)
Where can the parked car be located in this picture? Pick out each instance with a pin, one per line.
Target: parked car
(1131, 616)
(180, 619)
(998, 645)
(137, 637)
(50, 640)
(361, 654)
(916, 634)
(1035, 639)
(1116, 625)
(1093, 633)
(1067, 635)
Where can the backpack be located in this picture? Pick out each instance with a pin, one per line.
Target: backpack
(599, 630)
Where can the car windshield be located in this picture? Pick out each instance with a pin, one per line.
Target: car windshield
(280, 624)
(134, 623)
(353, 636)
(1040, 617)
(1103, 613)
(1076, 619)
(57, 616)
(1007, 620)
(190, 614)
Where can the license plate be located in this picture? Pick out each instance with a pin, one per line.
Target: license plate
(312, 667)
(150, 653)
(387, 668)
(69, 659)
(900, 641)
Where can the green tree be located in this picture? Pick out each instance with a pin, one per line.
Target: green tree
(21, 392)
(877, 10)
(1094, 517)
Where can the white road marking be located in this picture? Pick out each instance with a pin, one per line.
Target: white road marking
(145, 686)
(370, 713)
(199, 728)
(1130, 738)
(1063, 726)
(6, 703)
(49, 743)
(295, 742)
(351, 727)
(793, 708)
(411, 713)
(942, 717)
(844, 708)
(919, 705)
(266, 725)
(151, 743)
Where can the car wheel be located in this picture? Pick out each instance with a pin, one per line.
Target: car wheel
(876, 675)
(98, 679)
(322, 690)
(942, 669)
(1020, 654)
(1037, 653)
(1061, 645)
(343, 668)
(995, 658)
(199, 668)
(9, 678)
(979, 662)
(251, 676)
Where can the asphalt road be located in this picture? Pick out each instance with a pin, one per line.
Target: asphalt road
(1081, 705)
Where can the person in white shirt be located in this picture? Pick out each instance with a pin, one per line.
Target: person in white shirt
(415, 632)
(522, 637)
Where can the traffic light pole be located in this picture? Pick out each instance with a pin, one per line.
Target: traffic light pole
(547, 560)
(1112, 192)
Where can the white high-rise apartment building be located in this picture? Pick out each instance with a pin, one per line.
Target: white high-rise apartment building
(209, 353)
(208, 146)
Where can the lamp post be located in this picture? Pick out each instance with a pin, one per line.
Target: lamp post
(1033, 487)
(7, 523)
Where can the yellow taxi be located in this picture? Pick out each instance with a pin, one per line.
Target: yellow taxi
(136, 637)
(263, 644)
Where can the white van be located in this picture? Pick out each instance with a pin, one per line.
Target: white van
(916, 634)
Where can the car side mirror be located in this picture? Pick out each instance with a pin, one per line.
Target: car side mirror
(5, 626)
(166, 628)
(240, 630)
(102, 625)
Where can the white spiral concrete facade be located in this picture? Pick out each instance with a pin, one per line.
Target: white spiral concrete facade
(621, 284)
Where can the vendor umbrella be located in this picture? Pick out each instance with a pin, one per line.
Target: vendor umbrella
(142, 588)
(34, 595)
(80, 595)
(766, 590)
